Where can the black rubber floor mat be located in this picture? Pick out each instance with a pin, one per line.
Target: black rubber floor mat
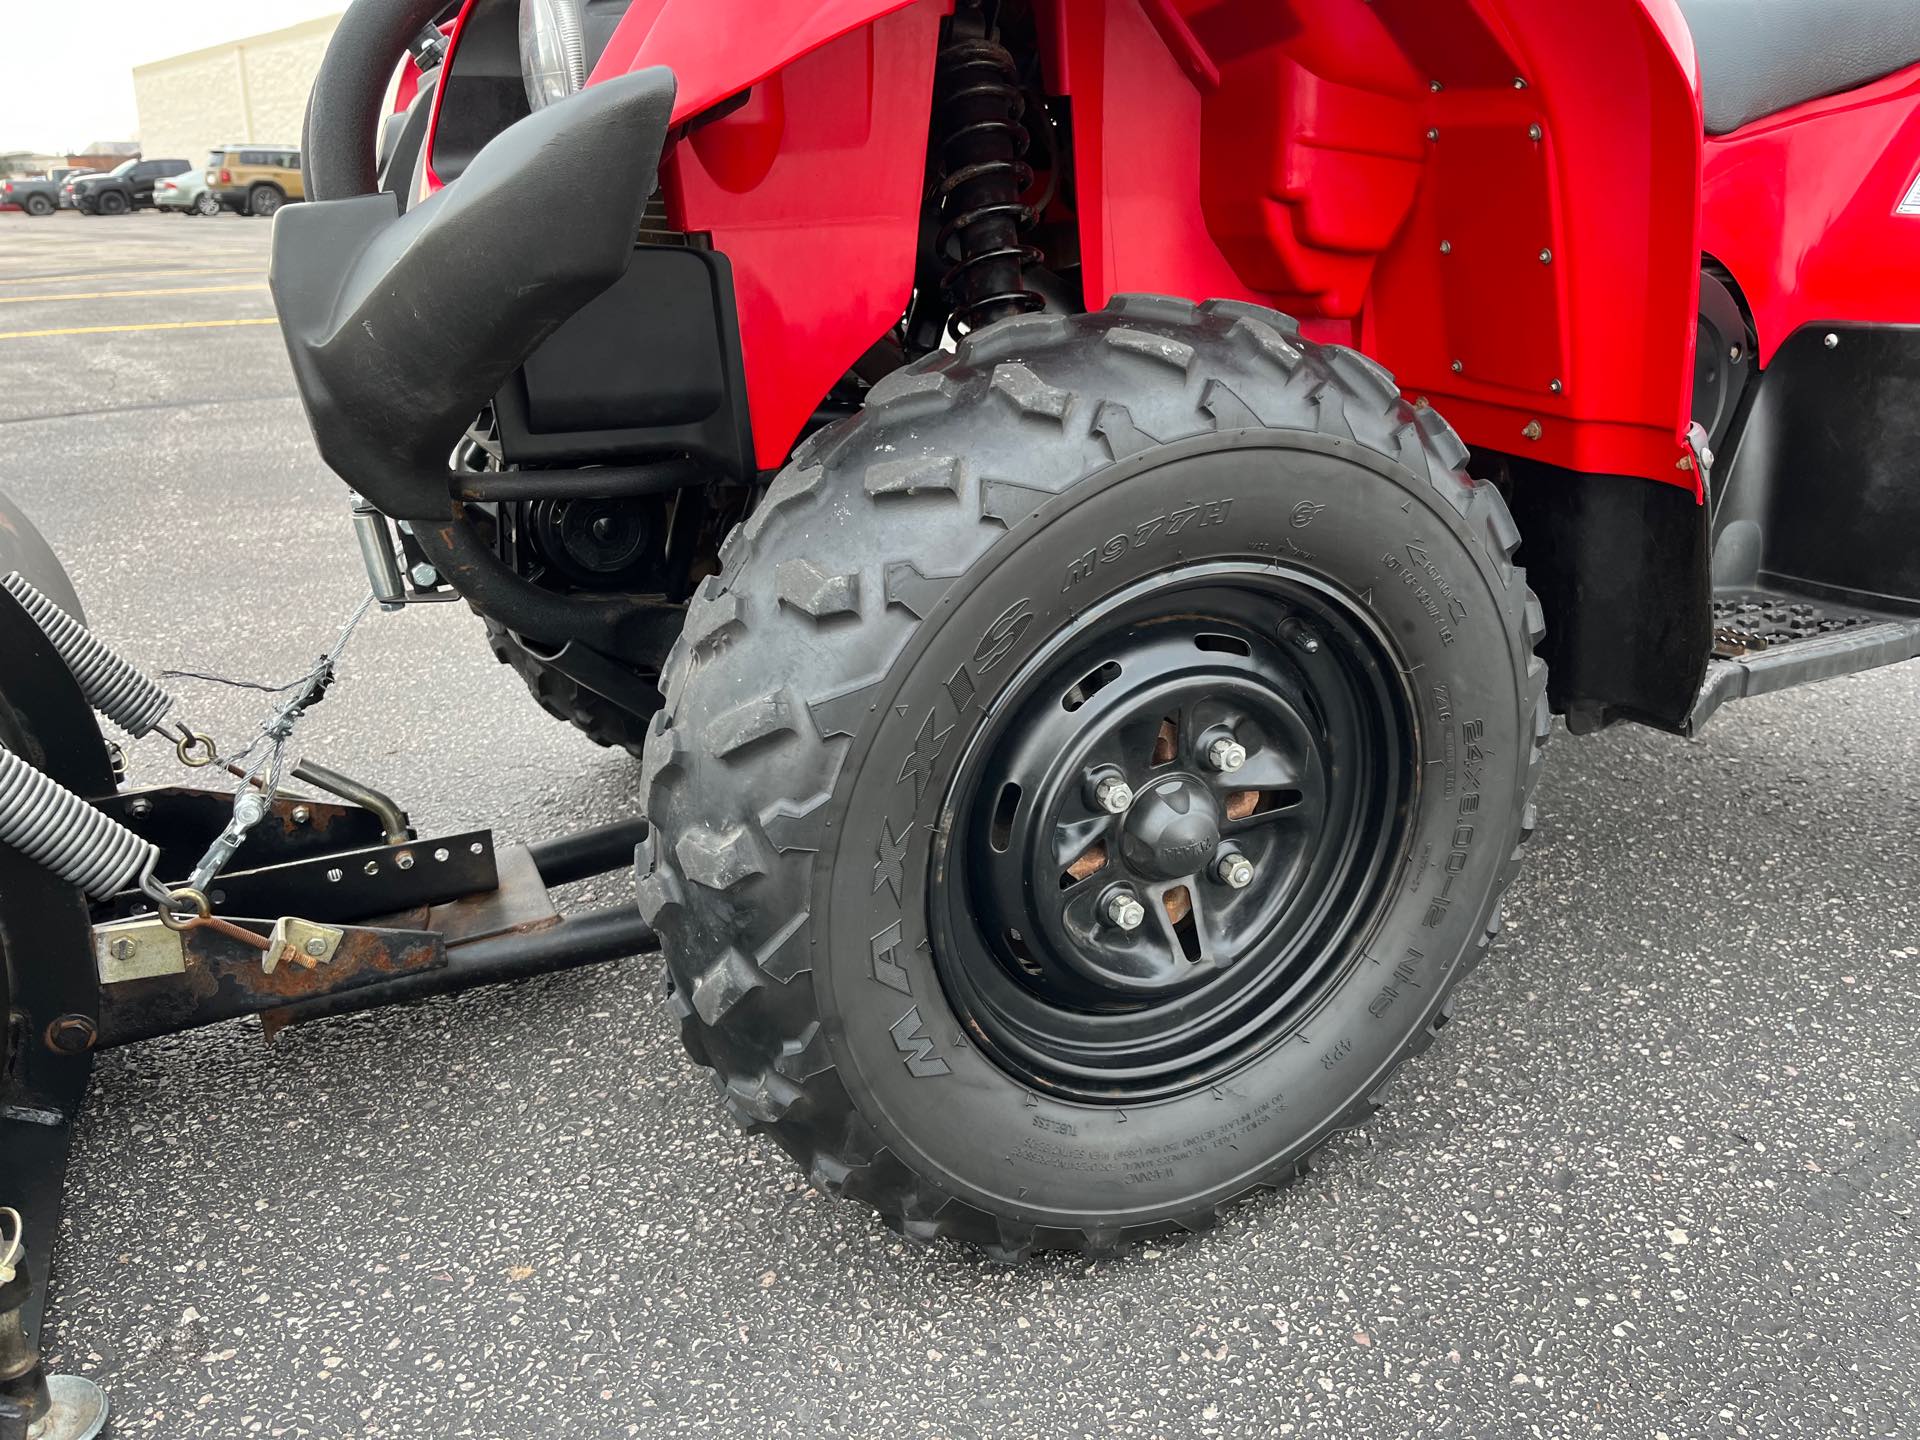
(1751, 620)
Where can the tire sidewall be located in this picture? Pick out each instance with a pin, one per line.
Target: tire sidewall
(1371, 529)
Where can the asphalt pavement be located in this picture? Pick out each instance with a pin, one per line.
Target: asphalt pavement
(1659, 1178)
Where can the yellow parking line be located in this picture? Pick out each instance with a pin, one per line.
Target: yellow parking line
(152, 325)
(109, 294)
(146, 274)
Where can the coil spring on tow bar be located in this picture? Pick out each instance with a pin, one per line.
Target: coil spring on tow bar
(55, 828)
(111, 685)
(983, 173)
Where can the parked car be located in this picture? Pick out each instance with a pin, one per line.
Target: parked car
(128, 186)
(255, 179)
(37, 195)
(185, 194)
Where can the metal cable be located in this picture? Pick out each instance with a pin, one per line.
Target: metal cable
(112, 686)
(55, 828)
(255, 796)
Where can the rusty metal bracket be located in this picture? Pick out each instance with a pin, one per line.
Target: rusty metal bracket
(223, 978)
(300, 942)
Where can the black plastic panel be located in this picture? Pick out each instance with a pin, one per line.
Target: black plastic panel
(403, 327)
(1823, 489)
(484, 89)
(1620, 566)
(649, 368)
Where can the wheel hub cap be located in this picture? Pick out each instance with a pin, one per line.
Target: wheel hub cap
(1144, 691)
(1172, 830)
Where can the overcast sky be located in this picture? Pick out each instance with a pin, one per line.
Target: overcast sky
(88, 96)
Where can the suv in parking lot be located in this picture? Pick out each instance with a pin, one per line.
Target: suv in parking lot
(255, 179)
(128, 186)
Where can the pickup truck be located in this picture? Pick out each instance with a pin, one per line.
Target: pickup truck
(38, 195)
(128, 186)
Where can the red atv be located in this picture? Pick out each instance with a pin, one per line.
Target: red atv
(987, 460)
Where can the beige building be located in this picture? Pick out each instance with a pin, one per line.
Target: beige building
(245, 90)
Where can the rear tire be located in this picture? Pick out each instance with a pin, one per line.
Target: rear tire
(39, 206)
(565, 698)
(112, 203)
(264, 201)
(207, 204)
(907, 606)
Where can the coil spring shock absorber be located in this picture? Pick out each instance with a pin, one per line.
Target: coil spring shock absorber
(979, 110)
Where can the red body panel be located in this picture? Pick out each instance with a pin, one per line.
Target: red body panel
(1500, 200)
(812, 189)
(756, 38)
(1259, 150)
(1320, 117)
(1801, 207)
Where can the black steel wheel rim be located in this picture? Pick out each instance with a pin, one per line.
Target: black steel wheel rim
(1254, 714)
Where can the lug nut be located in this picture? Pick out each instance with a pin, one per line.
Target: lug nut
(1226, 754)
(1112, 794)
(1234, 870)
(1126, 912)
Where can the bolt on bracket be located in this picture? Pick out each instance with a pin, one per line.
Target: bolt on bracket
(137, 950)
(300, 942)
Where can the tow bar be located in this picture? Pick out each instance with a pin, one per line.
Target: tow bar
(306, 906)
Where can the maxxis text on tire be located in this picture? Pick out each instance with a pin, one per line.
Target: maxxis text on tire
(878, 619)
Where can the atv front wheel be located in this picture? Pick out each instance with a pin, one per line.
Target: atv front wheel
(1091, 770)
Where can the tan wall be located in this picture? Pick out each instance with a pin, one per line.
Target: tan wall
(253, 89)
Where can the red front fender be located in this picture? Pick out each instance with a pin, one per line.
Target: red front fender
(760, 37)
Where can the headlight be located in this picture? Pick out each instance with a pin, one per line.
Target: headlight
(553, 51)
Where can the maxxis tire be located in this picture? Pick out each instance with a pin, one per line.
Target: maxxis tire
(798, 690)
(565, 698)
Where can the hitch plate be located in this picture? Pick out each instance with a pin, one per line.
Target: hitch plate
(349, 885)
